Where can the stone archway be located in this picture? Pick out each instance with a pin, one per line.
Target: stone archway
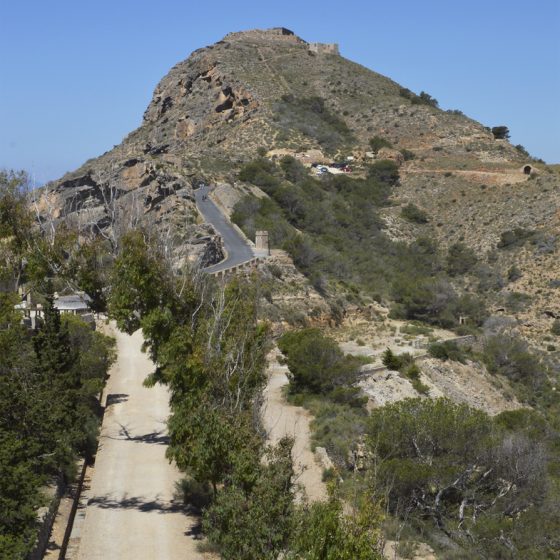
(527, 169)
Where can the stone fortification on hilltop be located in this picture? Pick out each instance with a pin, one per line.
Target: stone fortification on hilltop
(280, 34)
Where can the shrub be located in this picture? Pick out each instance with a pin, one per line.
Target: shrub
(446, 350)
(521, 149)
(514, 274)
(517, 301)
(408, 155)
(510, 356)
(317, 365)
(377, 142)
(500, 132)
(311, 117)
(412, 373)
(385, 170)
(555, 329)
(259, 172)
(460, 259)
(396, 362)
(514, 238)
(412, 213)
(424, 98)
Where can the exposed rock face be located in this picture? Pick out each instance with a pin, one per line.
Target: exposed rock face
(212, 112)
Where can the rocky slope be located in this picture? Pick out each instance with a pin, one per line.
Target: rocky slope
(274, 91)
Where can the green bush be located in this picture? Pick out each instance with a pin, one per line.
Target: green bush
(447, 350)
(514, 238)
(386, 171)
(514, 274)
(408, 155)
(424, 98)
(396, 362)
(435, 459)
(260, 172)
(460, 259)
(318, 366)
(510, 356)
(412, 213)
(500, 132)
(377, 142)
(555, 329)
(311, 117)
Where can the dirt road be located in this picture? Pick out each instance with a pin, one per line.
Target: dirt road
(131, 511)
(282, 419)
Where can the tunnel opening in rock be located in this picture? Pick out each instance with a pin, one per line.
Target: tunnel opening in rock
(527, 170)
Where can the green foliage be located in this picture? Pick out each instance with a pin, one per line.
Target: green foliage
(253, 519)
(555, 329)
(385, 171)
(377, 142)
(138, 282)
(336, 427)
(500, 132)
(48, 413)
(510, 356)
(514, 274)
(318, 366)
(438, 462)
(447, 350)
(408, 155)
(514, 238)
(259, 172)
(427, 99)
(89, 268)
(517, 301)
(412, 373)
(311, 117)
(422, 99)
(521, 149)
(323, 532)
(413, 214)
(460, 259)
(396, 362)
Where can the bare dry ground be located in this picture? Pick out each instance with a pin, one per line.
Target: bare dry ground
(282, 419)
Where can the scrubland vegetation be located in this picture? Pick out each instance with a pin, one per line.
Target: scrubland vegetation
(344, 245)
(49, 379)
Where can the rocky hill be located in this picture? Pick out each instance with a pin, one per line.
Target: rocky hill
(272, 92)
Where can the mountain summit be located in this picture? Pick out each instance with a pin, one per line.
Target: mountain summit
(271, 92)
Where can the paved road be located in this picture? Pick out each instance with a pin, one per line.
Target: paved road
(131, 512)
(238, 251)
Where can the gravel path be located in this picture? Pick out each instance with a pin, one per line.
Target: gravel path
(131, 511)
(282, 419)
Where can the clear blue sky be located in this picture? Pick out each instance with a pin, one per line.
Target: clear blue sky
(76, 76)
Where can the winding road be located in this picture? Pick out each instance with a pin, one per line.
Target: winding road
(237, 249)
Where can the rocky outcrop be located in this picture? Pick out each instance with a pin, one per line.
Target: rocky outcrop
(214, 110)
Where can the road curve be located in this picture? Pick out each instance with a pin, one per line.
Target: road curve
(131, 512)
(238, 250)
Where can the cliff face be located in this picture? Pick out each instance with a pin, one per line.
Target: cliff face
(271, 89)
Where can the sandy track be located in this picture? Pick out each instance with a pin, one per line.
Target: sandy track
(131, 512)
(282, 419)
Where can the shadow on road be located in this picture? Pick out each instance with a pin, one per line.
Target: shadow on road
(140, 504)
(158, 438)
(116, 398)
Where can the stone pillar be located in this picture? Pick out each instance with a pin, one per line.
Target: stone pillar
(261, 244)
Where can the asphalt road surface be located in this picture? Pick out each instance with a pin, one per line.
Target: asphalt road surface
(238, 251)
(132, 513)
